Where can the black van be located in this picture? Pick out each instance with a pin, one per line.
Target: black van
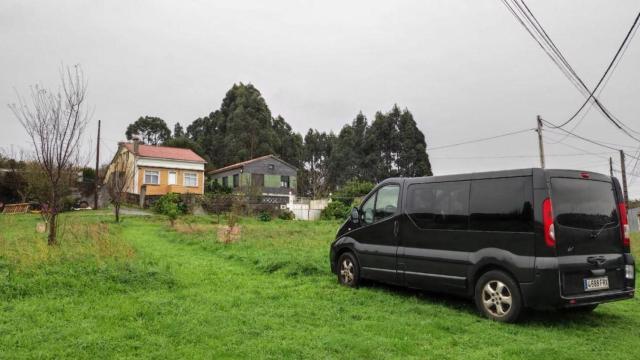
(512, 239)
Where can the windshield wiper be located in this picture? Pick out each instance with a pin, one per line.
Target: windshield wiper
(596, 234)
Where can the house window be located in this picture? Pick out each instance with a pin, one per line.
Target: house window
(190, 179)
(151, 177)
(284, 181)
(225, 182)
(172, 178)
(236, 180)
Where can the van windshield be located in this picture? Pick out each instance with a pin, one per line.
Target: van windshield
(586, 204)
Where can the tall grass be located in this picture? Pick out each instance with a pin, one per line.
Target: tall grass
(23, 248)
(91, 254)
(290, 247)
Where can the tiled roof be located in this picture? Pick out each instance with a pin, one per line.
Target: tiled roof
(166, 152)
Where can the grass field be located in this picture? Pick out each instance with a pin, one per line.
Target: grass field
(142, 289)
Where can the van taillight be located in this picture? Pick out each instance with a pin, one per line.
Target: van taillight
(547, 221)
(624, 224)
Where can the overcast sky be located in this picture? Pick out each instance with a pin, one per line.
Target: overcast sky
(464, 69)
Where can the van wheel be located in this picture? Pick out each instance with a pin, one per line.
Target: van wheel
(348, 270)
(498, 297)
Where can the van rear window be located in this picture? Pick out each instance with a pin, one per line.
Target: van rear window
(586, 204)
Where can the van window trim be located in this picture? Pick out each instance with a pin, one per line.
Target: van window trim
(405, 211)
(615, 198)
(374, 192)
(470, 180)
(533, 217)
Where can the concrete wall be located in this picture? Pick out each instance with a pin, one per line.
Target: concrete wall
(308, 210)
(634, 219)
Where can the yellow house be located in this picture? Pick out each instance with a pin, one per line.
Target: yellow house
(158, 170)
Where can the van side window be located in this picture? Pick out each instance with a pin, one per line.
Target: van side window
(386, 201)
(383, 203)
(367, 209)
(439, 205)
(501, 205)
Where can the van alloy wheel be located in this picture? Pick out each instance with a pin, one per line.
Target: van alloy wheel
(496, 298)
(346, 271)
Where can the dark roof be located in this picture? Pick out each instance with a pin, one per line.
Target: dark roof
(503, 173)
(166, 152)
(243, 163)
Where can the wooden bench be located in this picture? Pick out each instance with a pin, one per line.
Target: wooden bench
(21, 208)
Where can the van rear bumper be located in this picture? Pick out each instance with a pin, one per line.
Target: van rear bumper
(545, 291)
(599, 298)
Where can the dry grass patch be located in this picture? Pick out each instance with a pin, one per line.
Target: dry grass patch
(78, 240)
(194, 228)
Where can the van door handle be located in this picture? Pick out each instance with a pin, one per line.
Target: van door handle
(396, 228)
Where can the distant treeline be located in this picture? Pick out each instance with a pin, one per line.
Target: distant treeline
(244, 128)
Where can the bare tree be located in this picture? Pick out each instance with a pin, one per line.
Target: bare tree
(119, 178)
(55, 122)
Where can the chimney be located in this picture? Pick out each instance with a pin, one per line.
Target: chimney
(136, 145)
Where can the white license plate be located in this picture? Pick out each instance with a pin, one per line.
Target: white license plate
(599, 283)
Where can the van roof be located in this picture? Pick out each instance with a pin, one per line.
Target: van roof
(506, 173)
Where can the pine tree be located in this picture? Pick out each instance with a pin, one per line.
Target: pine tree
(151, 130)
(178, 131)
(288, 145)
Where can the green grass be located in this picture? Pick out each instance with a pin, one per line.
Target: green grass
(141, 289)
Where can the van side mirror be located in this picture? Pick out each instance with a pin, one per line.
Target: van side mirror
(355, 215)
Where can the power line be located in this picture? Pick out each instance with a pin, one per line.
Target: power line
(512, 156)
(606, 72)
(591, 141)
(570, 133)
(553, 56)
(531, 25)
(583, 150)
(584, 115)
(633, 177)
(480, 139)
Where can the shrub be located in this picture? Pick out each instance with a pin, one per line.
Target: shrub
(160, 205)
(264, 216)
(352, 190)
(170, 205)
(67, 203)
(335, 210)
(213, 187)
(286, 215)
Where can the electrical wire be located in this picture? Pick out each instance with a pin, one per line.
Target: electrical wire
(633, 178)
(591, 141)
(606, 72)
(551, 56)
(512, 156)
(480, 139)
(569, 133)
(527, 17)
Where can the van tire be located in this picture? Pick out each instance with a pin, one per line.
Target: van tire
(348, 270)
(498, 297)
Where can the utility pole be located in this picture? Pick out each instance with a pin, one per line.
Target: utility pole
(96, 178)
(611, 166)
(540, 145)
(624, 179)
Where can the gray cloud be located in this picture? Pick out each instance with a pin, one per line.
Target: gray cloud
(465, 69)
